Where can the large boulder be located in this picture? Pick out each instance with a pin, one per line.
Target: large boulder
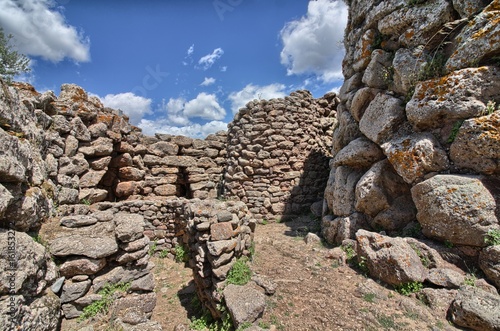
(26, 260)
(383, 195)
(245, 304)
(489, 261)
(476, 309)
(477, 145)
(391, 260)
(95, 241)
(458, 96)
(416, 155)
(479, 40)
(456, 208)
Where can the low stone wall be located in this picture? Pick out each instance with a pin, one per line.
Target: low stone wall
(105, 244)
(278, 153)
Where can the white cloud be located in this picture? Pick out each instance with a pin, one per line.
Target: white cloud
(132, 105)
(311, 44)
(194, 130)
(208, 60)
(204, 106)
(188, 59)
(40, 30)
(179, 111)
(250, 92)
(208, 81)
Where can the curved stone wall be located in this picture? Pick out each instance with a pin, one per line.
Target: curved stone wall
(278, 153)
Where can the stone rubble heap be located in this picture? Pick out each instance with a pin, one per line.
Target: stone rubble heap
(417, 149)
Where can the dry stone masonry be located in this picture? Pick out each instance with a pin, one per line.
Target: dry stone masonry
(416, 149)
(278, 153)
(99, 197)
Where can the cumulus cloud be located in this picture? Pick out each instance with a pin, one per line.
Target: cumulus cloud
(208, 60)
(135, 107)
(250, 92)
(40, 30)
(311, 44)
(193, 130)
(204, 106)
(208, 81)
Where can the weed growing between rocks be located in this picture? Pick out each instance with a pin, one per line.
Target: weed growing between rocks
(454, 131)
(102, 305)
(240, 273)
(409, 288)
(181, 254)
(492, 237)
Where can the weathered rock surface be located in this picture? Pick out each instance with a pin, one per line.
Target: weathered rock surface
(416, 155)
(477, 145)
(458, 96)
(383, 195)
(94, 241)
(476, 309)
(382, 118)
(391, 260)
(447, 211)
(245, 304)
(479, 40)
(489, 261)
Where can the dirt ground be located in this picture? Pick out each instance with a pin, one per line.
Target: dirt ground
(313, 292)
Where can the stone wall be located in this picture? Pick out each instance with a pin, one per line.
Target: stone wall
(278, 153)
(416, 151)
(96, 193)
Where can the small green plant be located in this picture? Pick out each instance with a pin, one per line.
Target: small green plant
(349, 251)
(163, 254)
(454, 131)
(491, 107)
(470, 279)
(264, 325)
(152, 248)
(378, 40)
(413, 231)
(244, 326)
(492, 238)
(387, 322)
(448, 244)
(107, 297)
(363, 266)
(409, 288)
(181, 254)
(264, 222)
(433, 68)
(369, 297)
(240, 272)
(85, 202)
(413, 3)
(201, 323)
(251, 249)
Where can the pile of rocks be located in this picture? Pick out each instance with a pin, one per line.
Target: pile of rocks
(417, 148)
(278, 151)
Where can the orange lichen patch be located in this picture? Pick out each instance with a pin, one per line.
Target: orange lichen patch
(106, 119)
(409, 34)
(407, 161)
(26, 87)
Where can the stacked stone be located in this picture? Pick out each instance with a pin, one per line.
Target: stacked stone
(417, 143)
(104, 246)
(278, 151)
(219, 233)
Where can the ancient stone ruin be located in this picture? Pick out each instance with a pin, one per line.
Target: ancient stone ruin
(404, 161)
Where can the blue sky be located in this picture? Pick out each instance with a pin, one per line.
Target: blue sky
(180, 66)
